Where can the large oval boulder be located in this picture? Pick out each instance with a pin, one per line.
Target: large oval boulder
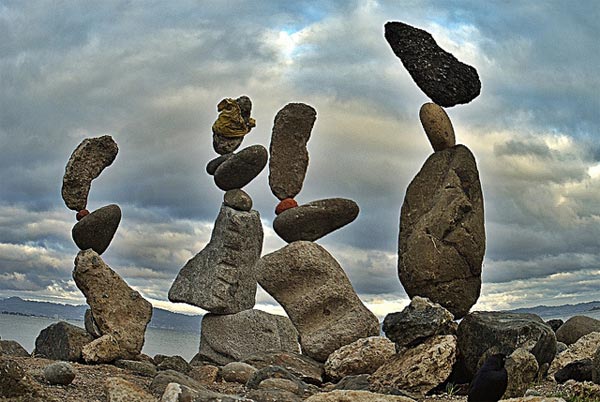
(576, 327)
(97, 229)
(505, 332)
(241, 168)
(442, 235)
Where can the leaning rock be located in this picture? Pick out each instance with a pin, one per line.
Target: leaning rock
(442, 235)
(417, 322)
(120, 390)
(356, 396)
(86, 163)
(118, 310)
(12, 348)
(522, 369)
(363, 356)
(576, 327)
(317, 296)
(97, 229)
(59, 373)
(303, 367)
(578, 370)
(61, 341)
(314, 220)
(437, 126)
(238, 199)
(482, 330)
(438, 73)
(585, 347)
(233, 337)
(289, 156)
(221, 277)
(241, 168)
(420, 369)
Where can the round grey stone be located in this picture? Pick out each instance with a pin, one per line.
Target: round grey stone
(238, 199)
(97, 229)
(576, 327)
(241, 168)
(60, 373)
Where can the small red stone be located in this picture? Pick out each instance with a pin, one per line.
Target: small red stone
(285, 204)
(81, 214)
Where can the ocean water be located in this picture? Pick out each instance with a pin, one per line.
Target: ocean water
(158, 341)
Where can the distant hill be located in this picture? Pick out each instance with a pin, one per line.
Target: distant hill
(591, 309)
(160, 318)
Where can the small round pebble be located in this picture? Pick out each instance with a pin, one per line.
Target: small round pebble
(81, 214)
(238, 199)
(60, 373)
(284, 204)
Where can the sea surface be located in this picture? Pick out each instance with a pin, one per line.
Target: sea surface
(25, 329)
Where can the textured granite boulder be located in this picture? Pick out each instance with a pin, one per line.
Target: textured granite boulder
(233, 337)
(356, 396)
(522, 369)
(288, 154)
(303, 367)
(238, 199)
(59, 373)
(442, 77)
(363, 356)
(442, 236)
(12, 348)
(86, 163)
(576, 327)
(317, 296)
(482, 330)
(118, 310)
(61, 341)
(585, 347)
(437, 126)
(221, 278)
(417, 322)
(241, 168)
(97, 229)
(314, 220)
(420, 369)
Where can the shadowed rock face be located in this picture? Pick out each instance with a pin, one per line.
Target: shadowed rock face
(442, 235)
(442, 77)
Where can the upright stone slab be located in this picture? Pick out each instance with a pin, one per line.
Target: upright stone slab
(234, 337)
(221, 278)
(119, 311)
(86, 163)
(438, 73)
(289, 156)
(317, 296)
(442, 235)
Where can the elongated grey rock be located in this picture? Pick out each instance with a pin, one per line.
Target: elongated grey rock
(288, 154)
(442, 77)
(442, 236)
(86, 163)
(97, 229)
(317, 296)
(314, 220)
(222, 277)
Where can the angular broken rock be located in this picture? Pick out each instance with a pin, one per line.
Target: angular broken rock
(317, 296)
(289, 156)
(118, 310)
(442, 77)
(442, 235)
(61, 341)
(221, 278)
(314, 220)
(234, 337)
(86, 163)
(97, 229)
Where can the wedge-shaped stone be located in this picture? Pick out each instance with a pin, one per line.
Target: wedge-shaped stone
(97, 229)
(119, 311)
(317, 296)
(222, 277)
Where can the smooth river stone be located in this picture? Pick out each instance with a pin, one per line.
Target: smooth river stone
(289, 156)
(437, 126)
(442, 235)
(238, 199)
(241, 168)
(222, 277)
(96, 230)
(120, 312)
(317, 296)
(314, 220)
(211, 167)
(442, 77)
(86, 163)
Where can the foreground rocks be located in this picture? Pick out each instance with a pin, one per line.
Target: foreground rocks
(576, 327)
(61, 341)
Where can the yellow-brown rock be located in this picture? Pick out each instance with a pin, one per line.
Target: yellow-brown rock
(437, 126)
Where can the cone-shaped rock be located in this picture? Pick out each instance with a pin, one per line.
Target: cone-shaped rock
(437, 126)
(241, 168)
(96, 230)
(222, 277)
(85, 164)
(442, 236)
(317, 296)
(314, 220)
(289, 156)
(438, 73)
(120, 312)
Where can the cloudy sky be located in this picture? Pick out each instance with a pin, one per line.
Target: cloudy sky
(151, 73)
